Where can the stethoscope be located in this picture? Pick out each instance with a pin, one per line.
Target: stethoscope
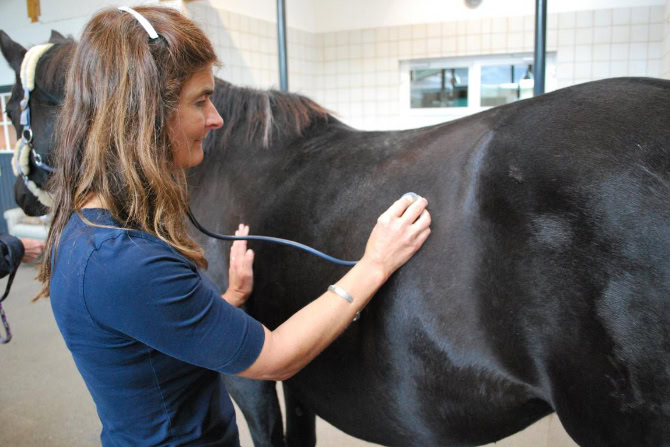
(267, 239)
(277, 240)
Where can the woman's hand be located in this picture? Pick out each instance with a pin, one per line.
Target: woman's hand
(240, 273)
(399, 233)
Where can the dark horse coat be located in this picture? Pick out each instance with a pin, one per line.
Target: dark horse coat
(545, 284)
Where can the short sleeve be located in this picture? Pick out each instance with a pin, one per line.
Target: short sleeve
(145, 290)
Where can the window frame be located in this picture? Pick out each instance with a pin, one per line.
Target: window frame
(5, 123)
(474, 65)
(456, 68)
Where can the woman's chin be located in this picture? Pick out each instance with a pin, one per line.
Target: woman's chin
(196, 155)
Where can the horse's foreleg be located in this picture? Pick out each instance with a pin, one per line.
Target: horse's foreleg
(258, 401)
(300, 422)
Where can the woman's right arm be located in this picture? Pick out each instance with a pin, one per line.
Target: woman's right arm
(399, 233)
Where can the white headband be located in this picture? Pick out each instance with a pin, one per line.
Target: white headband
(144, 22)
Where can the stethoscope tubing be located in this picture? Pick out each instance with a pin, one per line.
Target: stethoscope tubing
(276, 240)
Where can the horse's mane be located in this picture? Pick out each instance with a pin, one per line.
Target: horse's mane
(261, 116)
(51, 74)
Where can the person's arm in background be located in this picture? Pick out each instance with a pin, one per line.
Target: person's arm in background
(32, 247)
(14, 250)
(11, 253)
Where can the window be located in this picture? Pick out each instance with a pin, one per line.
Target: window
(502, 84)
(7, 132)
(443, 87)
(459, 86)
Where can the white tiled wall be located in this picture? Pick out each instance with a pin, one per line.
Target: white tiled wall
(248, 50)
(609, 43)
(665, 65)
(356, 73)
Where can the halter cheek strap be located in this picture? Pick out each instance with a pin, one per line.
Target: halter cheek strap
(143, 21)
(21, 157)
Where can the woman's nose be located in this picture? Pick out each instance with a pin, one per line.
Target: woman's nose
(214, 120)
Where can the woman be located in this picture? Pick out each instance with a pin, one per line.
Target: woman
(147, 331)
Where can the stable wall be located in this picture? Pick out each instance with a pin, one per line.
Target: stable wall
(338, 15)
(357, 72)
(67, 17)
(346, 54)
(665, 63)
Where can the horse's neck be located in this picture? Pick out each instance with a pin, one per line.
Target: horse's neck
(264, 117)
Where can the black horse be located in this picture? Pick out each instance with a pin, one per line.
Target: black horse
(545, 285)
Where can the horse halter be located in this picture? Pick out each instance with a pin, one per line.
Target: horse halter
(24, 147)
(22, 153)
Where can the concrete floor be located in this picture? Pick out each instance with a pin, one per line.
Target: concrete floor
(44, 402)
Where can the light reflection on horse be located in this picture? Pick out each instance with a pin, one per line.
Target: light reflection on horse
(545, 285)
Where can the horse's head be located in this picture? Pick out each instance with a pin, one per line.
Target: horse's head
(44, 99)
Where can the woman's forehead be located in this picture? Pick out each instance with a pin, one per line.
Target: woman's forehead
(201, 80)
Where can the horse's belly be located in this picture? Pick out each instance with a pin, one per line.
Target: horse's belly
(402, 388)
(435, 413)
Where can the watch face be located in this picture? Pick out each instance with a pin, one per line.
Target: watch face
(473, 3)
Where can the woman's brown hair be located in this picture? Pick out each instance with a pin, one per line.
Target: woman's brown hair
(112, 140)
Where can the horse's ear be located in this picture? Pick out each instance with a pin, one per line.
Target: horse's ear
(56, 37)
(12, 51)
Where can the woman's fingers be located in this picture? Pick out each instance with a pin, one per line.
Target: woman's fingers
(408, 207)
(239, 251)
(398, 207)
(248, 254)
(249, 258)
(415, 210)
(240, 246)
(423, 221)
(422, 236)
(241, 274)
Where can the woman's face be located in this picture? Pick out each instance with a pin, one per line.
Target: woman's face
(194, 118)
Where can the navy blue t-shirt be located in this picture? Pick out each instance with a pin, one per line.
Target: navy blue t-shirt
(149, 335)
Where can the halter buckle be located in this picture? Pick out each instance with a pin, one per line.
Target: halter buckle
(27, 135)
